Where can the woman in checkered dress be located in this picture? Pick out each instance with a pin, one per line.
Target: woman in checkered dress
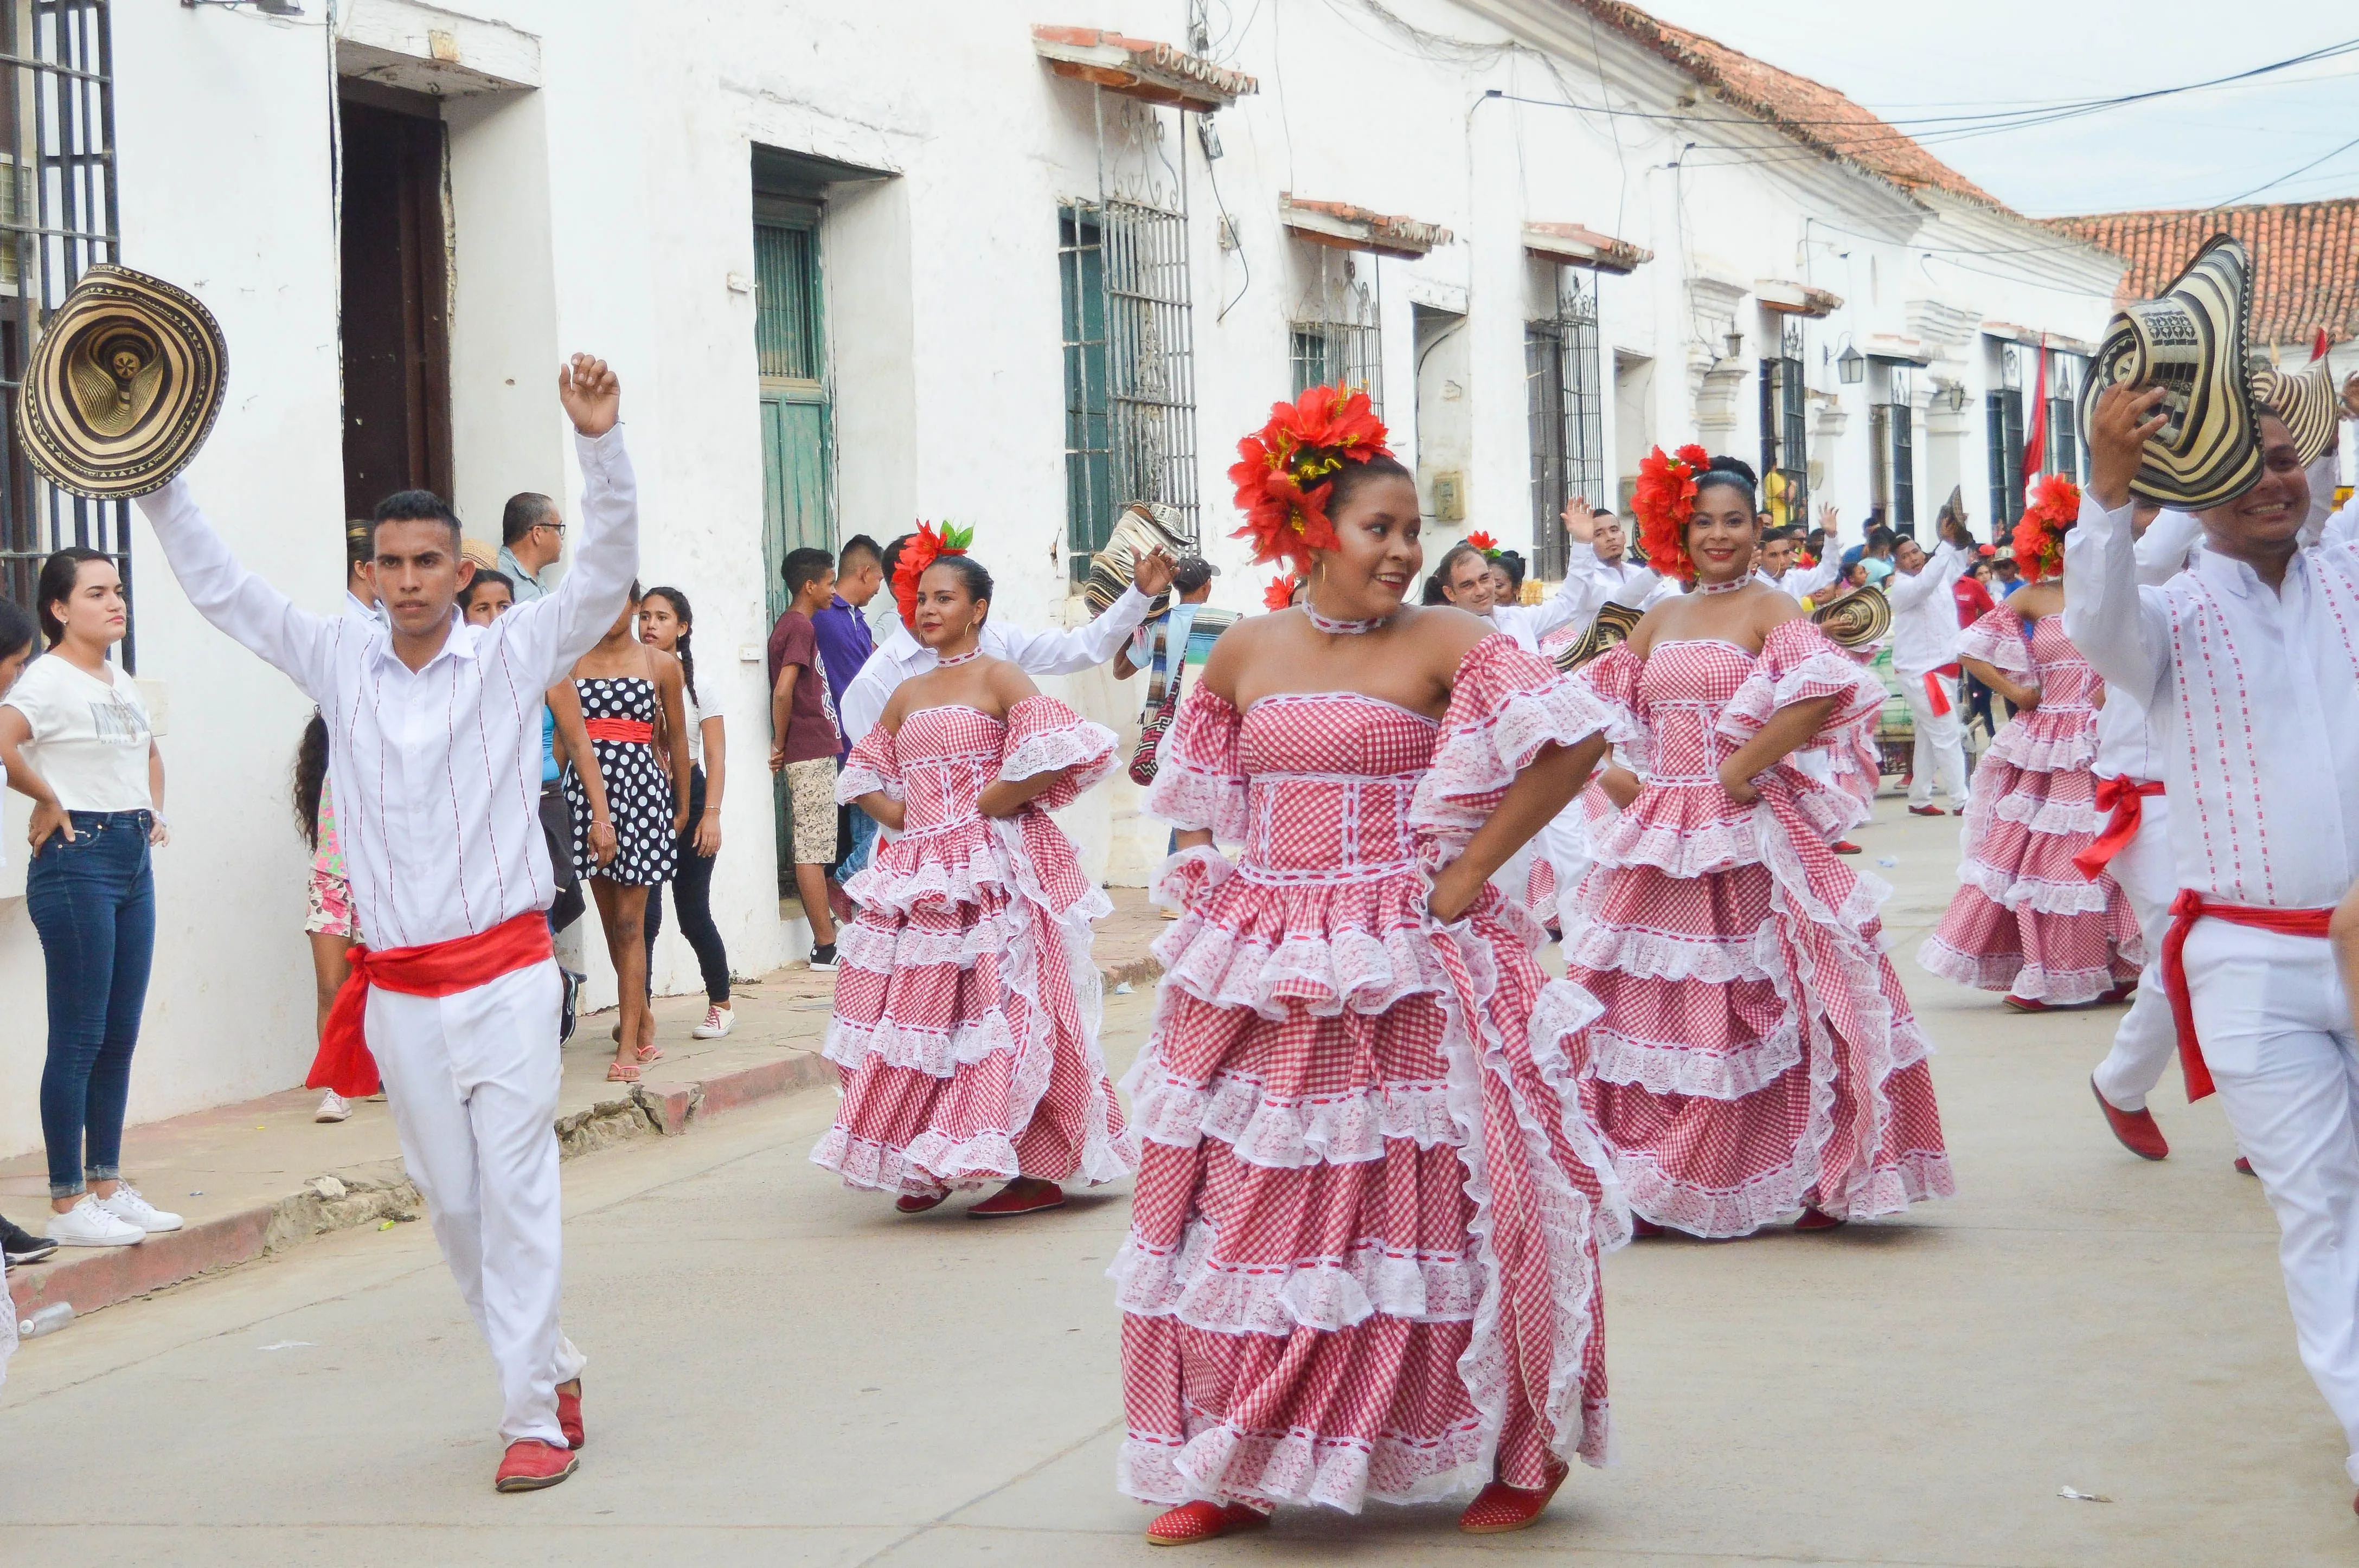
(1756, 1059)
(966, 1003)
(1362, 1260)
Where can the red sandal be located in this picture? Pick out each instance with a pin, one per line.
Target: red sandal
(1025, 1194)
(918, 1203)
(1192, 1522)
(622, 1072)
(1818, 1219)
(1499, 1507)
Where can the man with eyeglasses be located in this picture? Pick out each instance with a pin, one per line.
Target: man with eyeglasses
(532, 535)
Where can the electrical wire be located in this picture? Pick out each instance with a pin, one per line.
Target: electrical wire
(2305, 168)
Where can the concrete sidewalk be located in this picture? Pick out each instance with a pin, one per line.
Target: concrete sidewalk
(261, 1176)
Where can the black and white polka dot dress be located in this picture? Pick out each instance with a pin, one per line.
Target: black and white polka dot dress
(638, 789)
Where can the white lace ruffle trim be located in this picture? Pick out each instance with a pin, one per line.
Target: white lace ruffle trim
(1326, 1294)
(2019, 894)
(1219, 1462)
(1324, 973)
(2018, 745)
(1669, 1067)
(2008, 972)
(2057, 818)
(1286, 1133)
(858, 779)
(1080, 745)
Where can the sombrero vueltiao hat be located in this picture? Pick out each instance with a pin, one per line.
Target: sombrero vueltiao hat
(1857, 619)
(1614, 625)
(2192, 342)
(123, 384)
(2305, 399)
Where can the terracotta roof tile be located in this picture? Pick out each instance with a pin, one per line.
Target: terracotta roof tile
(1815, 114)
(2305, 259)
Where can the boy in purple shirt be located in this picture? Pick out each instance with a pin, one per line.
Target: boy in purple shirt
(844, 644)
(803, 740)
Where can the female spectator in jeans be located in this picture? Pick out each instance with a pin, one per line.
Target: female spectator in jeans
(666, 622)
(74, 735)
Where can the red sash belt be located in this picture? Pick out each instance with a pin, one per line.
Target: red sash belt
(1935, 698)
(621, 729)
(2187, 909)
(2120, 796)
(434, 969)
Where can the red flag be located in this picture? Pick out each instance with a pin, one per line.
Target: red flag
(2318, 346)
(2035, 437)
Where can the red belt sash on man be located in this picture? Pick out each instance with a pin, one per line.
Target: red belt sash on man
(1936, 698)
(2187, 908)
(432, 968)
(2124, 798)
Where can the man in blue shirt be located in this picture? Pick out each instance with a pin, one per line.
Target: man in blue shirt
(844, 644)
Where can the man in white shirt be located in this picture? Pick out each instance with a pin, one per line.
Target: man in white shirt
(1925, 657)
(435, 760)
(1469, 583)
(2249, 665)
(898, 656)
(1780, 549)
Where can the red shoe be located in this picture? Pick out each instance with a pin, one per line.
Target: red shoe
(1022, 1195)
(1815, 1219)
(918, 1203)
(2024, 1003)
(2136, 1128)
(1927, 811)
(2245, 1168)
(1844, 847)
(530, 1465)
(1499, 1507)
(568, 1412)
(2120, 993)
(1642, 1228)
(1192, 1522)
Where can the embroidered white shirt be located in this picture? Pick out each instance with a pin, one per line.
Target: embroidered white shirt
(898, 656)
(437, 771)
(1925, 612)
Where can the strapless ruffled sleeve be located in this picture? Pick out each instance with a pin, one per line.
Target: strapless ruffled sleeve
(1506, 705)
(1797, 664)
(1997, 640)
(1199, 781)
(872, 769)
(1043, 736)
(1611, 679)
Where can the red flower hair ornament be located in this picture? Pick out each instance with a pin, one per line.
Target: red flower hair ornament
(2055, 506)
(1285, 470)
(1485, 543)
(1279, 594)
(1664, 500)
(924, 548)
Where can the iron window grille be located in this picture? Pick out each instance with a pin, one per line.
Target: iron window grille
(1129, 329)
(1334, 339)
(1892, 432)
(58, 211)
(1564, 393)
(2003, 430)
(2064, 454)
(1785, 438)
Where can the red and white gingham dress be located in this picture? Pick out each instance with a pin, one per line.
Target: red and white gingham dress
(1756, 1053)
(966, 1006)
(2025, 920)
(1363, 1256)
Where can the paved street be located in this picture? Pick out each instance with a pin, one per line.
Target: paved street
(783, 1373)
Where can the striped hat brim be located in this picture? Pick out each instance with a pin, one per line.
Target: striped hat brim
(2191, 341)
(122, 385)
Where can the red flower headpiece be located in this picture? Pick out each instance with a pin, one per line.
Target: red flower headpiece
(1484, 543)
(1664, 498)
(1285, 470)
(922, 550)
(2055, 506)
(1279, 594)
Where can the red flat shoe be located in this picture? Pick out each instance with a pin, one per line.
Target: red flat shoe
(2245, 1168)
(568, 1413)
(1192, 1522)
(918, 1203)
(530, 1465)
(1845, 846)
(1642, 1228)
(1022, 1195)
(2119, 994)
(2134, 1128)
(1815, 1219)
(1499, 1507)
(1927, 811)
(2023, 1003)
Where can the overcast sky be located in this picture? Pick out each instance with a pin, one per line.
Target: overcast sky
(2194, 149)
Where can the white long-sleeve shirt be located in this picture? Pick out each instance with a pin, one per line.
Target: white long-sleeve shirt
(1587, 583)
(2254, 696)
(1925, 613)
(1803, 581)
(436, 770)
(2127, 746)
(898, 656)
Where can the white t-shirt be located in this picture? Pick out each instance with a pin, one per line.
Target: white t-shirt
(90, 737)
(695, 719)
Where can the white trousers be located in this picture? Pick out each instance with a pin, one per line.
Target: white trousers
(2146, 1040)
(473, 1081)
(2275, 1028)
(1941, 742)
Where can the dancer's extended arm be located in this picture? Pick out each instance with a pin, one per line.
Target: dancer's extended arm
(1539, 791)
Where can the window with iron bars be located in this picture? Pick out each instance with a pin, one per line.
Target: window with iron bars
(1334, 339)
(58, 212)
(1130, 374)
(2064, 454)
(1892, 433)
(1784, 440)
(1564, 394)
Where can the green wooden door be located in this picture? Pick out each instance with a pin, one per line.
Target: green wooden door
(790, 336)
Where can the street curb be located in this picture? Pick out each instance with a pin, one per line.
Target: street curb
(96, 1278)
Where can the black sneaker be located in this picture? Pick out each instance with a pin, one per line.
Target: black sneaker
(823, 956)
(569, 1009)
(21, 1246)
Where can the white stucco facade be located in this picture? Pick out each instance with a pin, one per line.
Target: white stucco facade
(599, 199)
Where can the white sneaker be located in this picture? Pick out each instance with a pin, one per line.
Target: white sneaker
(128, 1206)
(718, 1021)
(87, 1225)
(332, 1108)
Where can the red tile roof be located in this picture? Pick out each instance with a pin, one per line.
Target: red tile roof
(1811, 113)
(2305, 259)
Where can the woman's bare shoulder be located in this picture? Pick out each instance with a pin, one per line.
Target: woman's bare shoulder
(1005, 680)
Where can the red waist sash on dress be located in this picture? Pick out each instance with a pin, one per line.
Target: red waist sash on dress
(2120, 796)
(432, 968)
(2187, 909)
(620, 729)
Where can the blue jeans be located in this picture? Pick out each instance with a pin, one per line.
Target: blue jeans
(93, 902)
(858, 846)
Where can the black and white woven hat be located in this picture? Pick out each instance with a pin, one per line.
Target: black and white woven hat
(2191, 341)
(122, 385)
